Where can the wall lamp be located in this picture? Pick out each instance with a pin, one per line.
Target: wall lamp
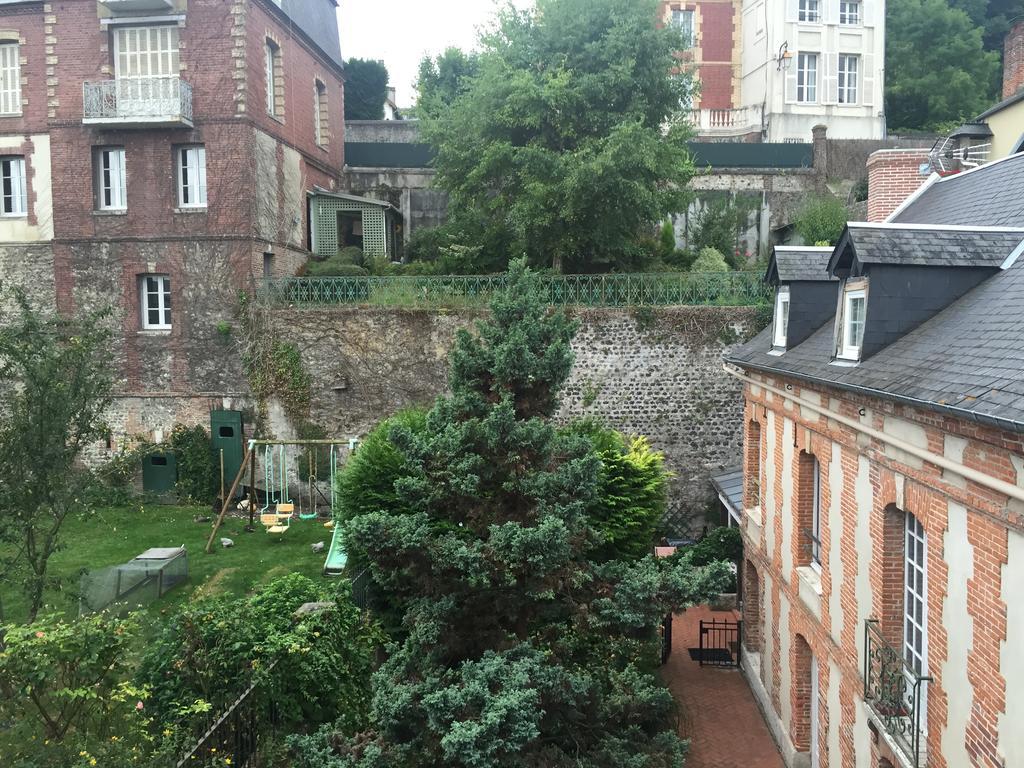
(785, 58)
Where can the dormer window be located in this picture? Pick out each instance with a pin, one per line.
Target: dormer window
(852, 320)
(781, 324)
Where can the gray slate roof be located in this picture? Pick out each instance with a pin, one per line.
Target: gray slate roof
(989, 196)
(968, 359)
(938, 246)
(799, 263)
(318, 19)
(729, 484)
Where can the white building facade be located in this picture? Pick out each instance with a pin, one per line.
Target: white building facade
(811, 62)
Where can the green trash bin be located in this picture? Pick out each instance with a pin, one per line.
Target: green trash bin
(226, 434)
(159, 473)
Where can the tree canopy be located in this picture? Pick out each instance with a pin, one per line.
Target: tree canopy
(443, 79)
(517, 641)
(938, 72)
(366, 89)
(557, 142)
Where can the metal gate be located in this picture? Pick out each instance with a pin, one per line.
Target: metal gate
(720, 642)
(666, 638)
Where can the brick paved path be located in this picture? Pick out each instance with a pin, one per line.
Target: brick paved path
(717, 709)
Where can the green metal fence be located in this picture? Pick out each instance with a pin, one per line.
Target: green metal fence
(632, 290)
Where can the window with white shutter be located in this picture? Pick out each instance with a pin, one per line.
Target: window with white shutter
(192, 177)
(849, 78)
(807, 78)
(110, 179)
(146, 52)
(155, 302)
(10, 79)
(13, 193)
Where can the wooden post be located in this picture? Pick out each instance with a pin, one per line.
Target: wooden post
(227, 500)
(252, 490)
(222, 474)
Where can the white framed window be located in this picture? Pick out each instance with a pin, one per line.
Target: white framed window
(13, 192)
(271, 54)
(110, 182)
(849, 12)
(155, 301)
(146, 52)
(10, 79)
(683, 21)
(851, 334)
(915, 598)
(816, 515)
(809, 11)
(192, 177)
(781, 324)
(320, 124)
(849, 76)
(807, 78)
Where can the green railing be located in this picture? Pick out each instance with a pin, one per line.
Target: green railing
(632, 290)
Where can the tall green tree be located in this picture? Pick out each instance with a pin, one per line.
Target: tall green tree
(366, 89)
(558, 139)
(937, 70)
(521, 650)
(443, 79)
(56, 372)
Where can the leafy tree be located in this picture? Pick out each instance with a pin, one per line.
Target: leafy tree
(63, 385)
(821, 220)
(444, 79)
(937, 70)
(366, 89)
(557, 143)
(517, 642)
(666, 239)
(718, 226)
(709, 260)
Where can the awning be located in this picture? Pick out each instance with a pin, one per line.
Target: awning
(729, 485)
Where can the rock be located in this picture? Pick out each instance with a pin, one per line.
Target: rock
(203, 518)
(318, 547)
(243, 505)
(227, 543)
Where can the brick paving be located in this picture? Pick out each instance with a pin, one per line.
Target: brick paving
(717, 709)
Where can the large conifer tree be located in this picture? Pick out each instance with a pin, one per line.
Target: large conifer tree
(520, 650)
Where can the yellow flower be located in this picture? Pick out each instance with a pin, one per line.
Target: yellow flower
(168, 732)
(92, 761)
(83, 753)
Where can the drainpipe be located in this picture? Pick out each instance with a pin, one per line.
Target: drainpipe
(992, 483)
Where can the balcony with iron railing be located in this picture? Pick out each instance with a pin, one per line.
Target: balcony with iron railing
(896, 696)
(727, 122)
(138, 102)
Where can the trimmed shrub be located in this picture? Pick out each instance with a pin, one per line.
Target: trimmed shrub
(821, 220)
(709, 260)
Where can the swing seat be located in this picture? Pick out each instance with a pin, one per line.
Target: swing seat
(277, 529)
(329, 524)
(287, 509)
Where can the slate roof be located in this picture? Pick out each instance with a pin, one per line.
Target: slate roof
(318, 19)
(799, 263)
(729, 484)
(929, 246)
(968, 359)
(991, 195)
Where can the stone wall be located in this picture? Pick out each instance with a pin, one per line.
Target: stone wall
(656, 372)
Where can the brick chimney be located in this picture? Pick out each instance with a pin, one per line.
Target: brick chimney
(893, 176)
(1013, 60)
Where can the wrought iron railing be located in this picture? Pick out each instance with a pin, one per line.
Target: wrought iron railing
(237, 732)
(622, 290)
(895, 692)
(148, 99)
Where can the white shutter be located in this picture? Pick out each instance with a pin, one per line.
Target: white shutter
(10, 80)
(792, 10)
(829, 11)
(790, 94)
(830, 78)
(201, 175)
(866, 83)
(867, 12)
(18, 186)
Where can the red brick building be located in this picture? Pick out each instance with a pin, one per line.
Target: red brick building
(157, 154)
(712, 28)
(884, 487)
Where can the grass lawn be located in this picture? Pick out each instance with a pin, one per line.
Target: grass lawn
(113, 536)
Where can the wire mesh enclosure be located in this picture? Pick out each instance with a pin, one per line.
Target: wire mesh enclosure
(137, 583)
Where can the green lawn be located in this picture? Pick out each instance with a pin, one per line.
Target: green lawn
(112, 536)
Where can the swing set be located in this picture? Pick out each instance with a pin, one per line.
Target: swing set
(280, 506)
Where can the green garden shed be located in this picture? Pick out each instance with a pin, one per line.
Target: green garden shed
(339, 221)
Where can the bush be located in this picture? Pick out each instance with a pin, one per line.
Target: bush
(209, 651)
(821, 220)
(197, 471)
(334, 267)
(667, 240)
(631, 499)
(709, 260)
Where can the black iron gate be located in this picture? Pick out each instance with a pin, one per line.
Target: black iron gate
(720, 642)
(666, 638)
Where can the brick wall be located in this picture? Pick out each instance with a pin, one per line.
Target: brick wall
(871, 486)
(715, 33)
(1013, 60)
(893, 175)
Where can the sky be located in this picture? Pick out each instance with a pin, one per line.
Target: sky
(401, 32)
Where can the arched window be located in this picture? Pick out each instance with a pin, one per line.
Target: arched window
(752, 470)
(809, 510)
(751, 607)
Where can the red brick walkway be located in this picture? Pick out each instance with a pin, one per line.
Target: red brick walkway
(717, 709)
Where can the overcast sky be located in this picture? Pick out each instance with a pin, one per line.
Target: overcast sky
(401, 31)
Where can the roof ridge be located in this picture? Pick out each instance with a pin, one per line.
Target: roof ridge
(896, 225)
